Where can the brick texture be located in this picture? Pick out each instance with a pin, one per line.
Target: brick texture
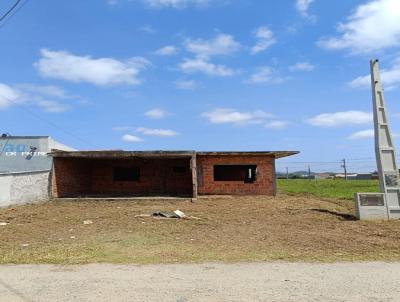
(263, 185)
(73, 177)
(80, 177)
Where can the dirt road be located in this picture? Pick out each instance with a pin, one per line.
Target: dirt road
(374, 281)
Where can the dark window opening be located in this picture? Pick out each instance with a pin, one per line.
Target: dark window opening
(180, 169)
(245, 173)
(126, 174)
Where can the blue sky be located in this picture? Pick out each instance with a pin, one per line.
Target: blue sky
(202, 75)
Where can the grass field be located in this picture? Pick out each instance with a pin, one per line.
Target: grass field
(330, 188)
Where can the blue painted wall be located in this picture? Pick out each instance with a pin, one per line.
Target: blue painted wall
(20, 154)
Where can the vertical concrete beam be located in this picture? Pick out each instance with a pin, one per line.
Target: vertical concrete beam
(193, 167)
(51, 183)
(274, 176)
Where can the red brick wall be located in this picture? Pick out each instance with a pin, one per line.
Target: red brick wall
(80, 177)
(71, 177)
(265, 179)
(74, 177)
(156, 177)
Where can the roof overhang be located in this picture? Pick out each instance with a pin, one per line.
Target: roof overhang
(114, 154)
(275, 154)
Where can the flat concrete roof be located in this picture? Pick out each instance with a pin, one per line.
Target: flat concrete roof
(121, 154)
(276, 154)
(165, 154)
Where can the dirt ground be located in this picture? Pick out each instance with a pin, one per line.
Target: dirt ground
(290, 228)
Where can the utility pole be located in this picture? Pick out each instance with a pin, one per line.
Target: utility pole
(384, 205)
(287, 173)
(385, 149)
(344, 168)
(309, 173)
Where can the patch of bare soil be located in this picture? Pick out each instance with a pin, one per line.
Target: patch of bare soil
(261, 228)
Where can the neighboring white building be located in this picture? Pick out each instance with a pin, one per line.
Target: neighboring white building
(25, 168)
(343, 176)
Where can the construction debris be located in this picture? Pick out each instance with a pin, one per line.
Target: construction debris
(166, 215)
(169, 215)
(179, 213)
(87, 222)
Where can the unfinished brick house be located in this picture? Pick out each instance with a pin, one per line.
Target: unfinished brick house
(163, 173)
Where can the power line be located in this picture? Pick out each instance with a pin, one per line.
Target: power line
(12, 11)
(4, 146)
(362, 159)
(353, 160)
(51, 123)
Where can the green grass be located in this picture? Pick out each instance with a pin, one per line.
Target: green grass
(338, 189)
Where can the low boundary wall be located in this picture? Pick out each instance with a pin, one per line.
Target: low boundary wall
(24, 187)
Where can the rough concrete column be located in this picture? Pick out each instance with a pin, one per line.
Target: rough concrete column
(274, 176)
(193, 167)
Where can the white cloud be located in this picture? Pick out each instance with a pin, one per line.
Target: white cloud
(30, 94)
(49, 98)
(156, 113)
(102, 72)
(8, 96)
(122, 128)
(175, 3)
(148, 29)
(361, 82)
(131, 138)
(266, 75)
(265, 39)
(157, 132)
(47, 90)
(167, 51)
(52, 106)
(203, 50)
(362, 134)
(232, 116)
(390, 78)
(222, 44)
(373, 26)
(186, 85)
(302, 66)
(339, 119)
(206, 67)
(275, 124)
(302, 6)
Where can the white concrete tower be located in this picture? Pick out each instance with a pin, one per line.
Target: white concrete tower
(384, 148)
